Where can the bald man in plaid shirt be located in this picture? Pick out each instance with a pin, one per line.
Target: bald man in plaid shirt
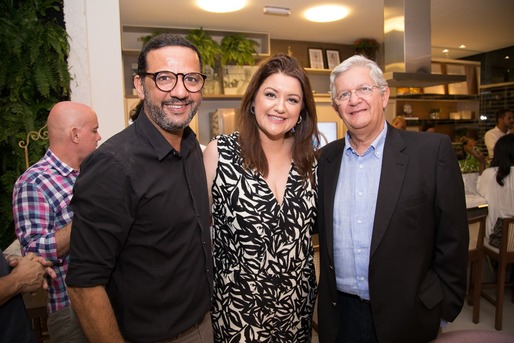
(41, 199)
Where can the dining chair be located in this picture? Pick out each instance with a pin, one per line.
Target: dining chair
(504, 256)
(35, 304)
(476, 226)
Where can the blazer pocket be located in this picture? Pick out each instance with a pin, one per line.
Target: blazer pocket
(431, 292)
(412, 202)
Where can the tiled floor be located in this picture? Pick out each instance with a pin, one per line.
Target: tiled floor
(464, 320)
(487, 310)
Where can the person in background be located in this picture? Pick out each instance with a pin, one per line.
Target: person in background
(20, 275)
(141, 258)
(399, 122)
(392, 221)
(263, 190)
(472, 159)
(427, 127)
(496, 184)
(41, 198)
(504, 122)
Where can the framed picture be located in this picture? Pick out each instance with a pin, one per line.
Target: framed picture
(333, 58)
(316, 58)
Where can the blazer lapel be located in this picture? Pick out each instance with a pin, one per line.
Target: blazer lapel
(394, 167)
(333, 159)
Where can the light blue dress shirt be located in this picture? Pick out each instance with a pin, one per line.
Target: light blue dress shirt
(354, 212)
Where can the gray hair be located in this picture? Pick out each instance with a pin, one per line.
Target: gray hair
(358, 61)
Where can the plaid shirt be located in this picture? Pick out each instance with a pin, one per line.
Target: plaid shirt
(41, 199)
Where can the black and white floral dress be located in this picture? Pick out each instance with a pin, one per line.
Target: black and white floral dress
(264, 280)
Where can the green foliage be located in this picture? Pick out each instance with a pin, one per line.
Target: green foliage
(234, 49)
(34, 76)
(209, 49)
(238, 49)
(146, 38)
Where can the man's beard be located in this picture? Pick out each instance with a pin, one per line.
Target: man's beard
(159, 116)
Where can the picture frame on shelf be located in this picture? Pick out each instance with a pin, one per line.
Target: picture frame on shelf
(333, 58)
(316, 58)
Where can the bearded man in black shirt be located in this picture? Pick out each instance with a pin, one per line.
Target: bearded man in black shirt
(140, 258)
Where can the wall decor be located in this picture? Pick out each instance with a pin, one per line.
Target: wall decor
(316, 59)
(333, 58)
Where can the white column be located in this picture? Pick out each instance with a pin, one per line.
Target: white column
(95, 60)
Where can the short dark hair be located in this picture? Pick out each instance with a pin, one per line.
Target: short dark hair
(160, 41)
(501, 113)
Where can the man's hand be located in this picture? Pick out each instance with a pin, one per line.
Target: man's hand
(30, 271)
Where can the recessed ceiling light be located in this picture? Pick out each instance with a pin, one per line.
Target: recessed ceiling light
(276, 10)
(221, 6)
(326, 13)
(446, 50)
(462, 46)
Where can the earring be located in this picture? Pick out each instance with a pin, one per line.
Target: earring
(299, 120)
(252, 109)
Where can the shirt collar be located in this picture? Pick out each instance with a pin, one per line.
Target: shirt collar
(376, 147)
(59, 165)
(161, 146)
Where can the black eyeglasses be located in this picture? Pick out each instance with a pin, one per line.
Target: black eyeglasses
(167, 80)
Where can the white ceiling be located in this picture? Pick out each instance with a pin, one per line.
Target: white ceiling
(482, 25)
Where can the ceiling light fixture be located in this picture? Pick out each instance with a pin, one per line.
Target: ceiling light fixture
(394, 24)
(276, 10)
(326, 13)
(221, 6)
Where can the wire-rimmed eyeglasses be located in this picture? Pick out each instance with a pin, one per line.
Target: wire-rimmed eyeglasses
(167, 80)
(363, 90)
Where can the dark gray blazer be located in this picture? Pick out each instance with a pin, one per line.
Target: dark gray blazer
(419, 246)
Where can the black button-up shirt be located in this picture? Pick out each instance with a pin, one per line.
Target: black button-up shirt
(141, 228)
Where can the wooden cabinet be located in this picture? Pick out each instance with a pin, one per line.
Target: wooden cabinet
(320, 81)
(453, 109)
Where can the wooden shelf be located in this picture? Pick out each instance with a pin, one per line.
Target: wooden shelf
(130, 40)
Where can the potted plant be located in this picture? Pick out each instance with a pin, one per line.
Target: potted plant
(237, 59)
(237, 49)
(208, 47)
(367, 47)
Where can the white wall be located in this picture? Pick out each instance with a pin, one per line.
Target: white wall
(95, 60)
